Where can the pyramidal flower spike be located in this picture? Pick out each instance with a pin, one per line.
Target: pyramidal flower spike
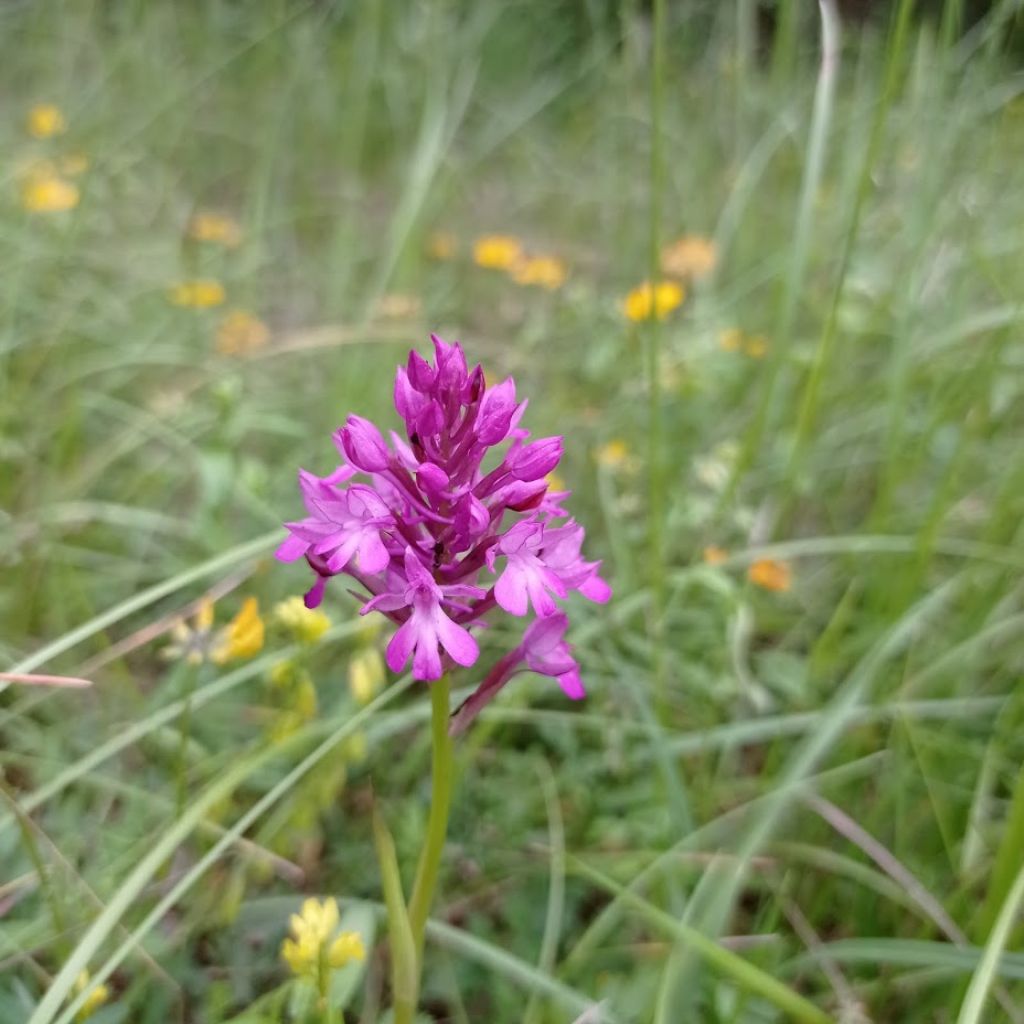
(437, 544)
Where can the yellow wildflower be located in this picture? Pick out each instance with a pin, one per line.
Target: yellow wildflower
(546, 271)
(94, 1000)
(311, 950)
(714, 555)
(735, 340)
(756, 346)
(216, 228)
(442, 245)
(770, 574)
(204, 293)
(655, 301)
(74, 164)
(347, 947)
(730, 340)
(613, 454)
(690, 256)
(306, 624)
(44, 121)
(240, 332)
(48, 193)
(497, 252)
(398, 306)
(243, 636)
(366, 675)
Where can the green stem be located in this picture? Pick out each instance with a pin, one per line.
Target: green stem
(442, 778)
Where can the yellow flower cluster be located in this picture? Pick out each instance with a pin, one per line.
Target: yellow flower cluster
(442, 245)
(45, 120)
(240, 332)
(241, 638)
(47, 192)
(497, 252)
(313, 950)
(307, 625)
(214, 227)
(398, 306)
(613, 454)
(653, 301)
(691, 256)
(735, 340)
(506, 252)
(203, 293)
(99, 995)
(714, 555)
(45, 188)
(545, 271)
(771, 574)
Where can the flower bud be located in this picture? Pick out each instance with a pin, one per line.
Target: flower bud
(408, 401)
(422, 375)
(496, 408)
(432, 479)
(536, 459)
(364, 445)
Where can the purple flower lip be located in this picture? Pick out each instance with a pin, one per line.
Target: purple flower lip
(435, 543)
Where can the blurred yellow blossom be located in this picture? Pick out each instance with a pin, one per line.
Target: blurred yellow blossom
(770, 574)
(366, 675)
(714, 555)
(313, 949)
(734, 340)
(204, 293)
(730, 339)
(206, 226)
(756, 346)
(656, 301)
(555, 482)
(45, 192)
(94, 1000)
(45, 120)
(613, 454)
(546, 271)
(398, 306)
(243, 635)
(690, 256)
(74, 164)
(442, 245)
(497, 252)
(306, 624)
(240, 332)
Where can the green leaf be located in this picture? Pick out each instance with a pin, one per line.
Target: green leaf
(404, 973)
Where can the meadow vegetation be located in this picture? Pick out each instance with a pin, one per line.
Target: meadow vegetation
(772, 302)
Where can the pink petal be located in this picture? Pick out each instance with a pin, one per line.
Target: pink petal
(372, 556)
(401, 646)
(426, 662)
(291, 548)
(572, 685)
(596, 589)
(456, 640)
(511, 590)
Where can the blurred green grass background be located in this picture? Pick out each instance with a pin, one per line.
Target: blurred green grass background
(823, 773)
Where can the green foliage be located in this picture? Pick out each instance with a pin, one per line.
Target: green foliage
(159, 828)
